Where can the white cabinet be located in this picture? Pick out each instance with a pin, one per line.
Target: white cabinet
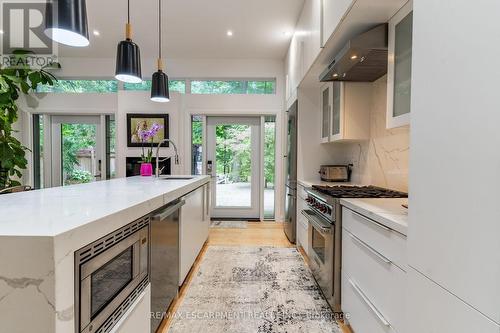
(399, 67)
(332, 12)
(194, 227)
(326, 111)
(432, 309)
(360, 313)
(373, 282)
(345, 109)
(304, 48)
(453, 229)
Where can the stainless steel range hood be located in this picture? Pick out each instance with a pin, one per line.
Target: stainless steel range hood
(363, 58)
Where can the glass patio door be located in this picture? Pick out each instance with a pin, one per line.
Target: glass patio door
(233, 161)
(77, 149)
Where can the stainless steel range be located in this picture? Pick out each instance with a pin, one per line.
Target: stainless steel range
(325, 232)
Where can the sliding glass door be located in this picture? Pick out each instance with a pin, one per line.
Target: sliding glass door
(76, 149)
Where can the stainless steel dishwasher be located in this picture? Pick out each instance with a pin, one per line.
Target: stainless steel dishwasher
(164, 260)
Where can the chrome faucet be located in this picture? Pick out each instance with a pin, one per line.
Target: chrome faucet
(176, 156)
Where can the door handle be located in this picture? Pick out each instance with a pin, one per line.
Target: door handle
(209, 168)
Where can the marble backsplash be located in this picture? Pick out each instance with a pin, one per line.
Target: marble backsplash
(383, 160)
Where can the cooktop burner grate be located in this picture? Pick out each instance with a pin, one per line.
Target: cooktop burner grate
(343, 191)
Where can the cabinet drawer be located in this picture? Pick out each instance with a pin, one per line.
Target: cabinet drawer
(381, 281)
(384, 240)
(302, 236)
(360, 313)
(301, 192)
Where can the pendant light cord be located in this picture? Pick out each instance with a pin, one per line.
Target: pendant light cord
(159, 29)
(128, 11)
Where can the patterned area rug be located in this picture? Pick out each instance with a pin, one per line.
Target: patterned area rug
(253, 289)
(229, 224)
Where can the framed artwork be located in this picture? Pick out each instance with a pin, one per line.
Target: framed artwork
(137, 122)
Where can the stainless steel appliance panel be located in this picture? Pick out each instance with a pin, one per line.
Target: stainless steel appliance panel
(110, 273)
(164, 260)
(321, 235)
(290, 224)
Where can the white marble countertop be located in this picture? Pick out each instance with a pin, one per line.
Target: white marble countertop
(57, 210)
(386, 211)
(40, 230)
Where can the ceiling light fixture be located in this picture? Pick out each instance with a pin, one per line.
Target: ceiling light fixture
(159, 84)
(353, 57)
(128, 56)
(66, 22)
(96, 33)
(229, 33)
(335, 75)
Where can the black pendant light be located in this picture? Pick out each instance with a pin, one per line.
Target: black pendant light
(159, 84)
(66, 22)
(128, 56)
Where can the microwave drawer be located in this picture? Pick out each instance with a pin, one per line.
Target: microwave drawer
(384, 240)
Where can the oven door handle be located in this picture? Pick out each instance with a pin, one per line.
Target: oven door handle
(317, 223)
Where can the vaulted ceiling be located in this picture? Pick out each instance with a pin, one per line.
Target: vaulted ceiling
(193, 28)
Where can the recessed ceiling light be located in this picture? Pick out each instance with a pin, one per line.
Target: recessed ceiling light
(229, 33)
(354, 57)
(335, 75)
(96, 33)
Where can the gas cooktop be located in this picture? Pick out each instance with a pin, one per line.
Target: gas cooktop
(343, 191)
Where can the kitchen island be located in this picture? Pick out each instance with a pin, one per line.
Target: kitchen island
(41, 230)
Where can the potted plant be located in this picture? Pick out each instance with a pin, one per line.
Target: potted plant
(147, 136)
(15, 80)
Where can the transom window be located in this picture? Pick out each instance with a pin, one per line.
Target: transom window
(173, 85)
(80, 86)
(194, 86)
(233, 87)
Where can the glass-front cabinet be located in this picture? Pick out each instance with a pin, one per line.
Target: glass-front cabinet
(336, 128)
(399, 67)
(326, 108)
(345, 109)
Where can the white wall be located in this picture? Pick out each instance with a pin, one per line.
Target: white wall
(181, 106)
(384, 159)
(139, 102)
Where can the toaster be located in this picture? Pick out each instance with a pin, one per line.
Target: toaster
(335, 173)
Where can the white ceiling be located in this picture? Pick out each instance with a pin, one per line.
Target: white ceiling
(193, 28)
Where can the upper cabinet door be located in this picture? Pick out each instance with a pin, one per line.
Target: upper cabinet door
(332, 12)
(337, 111)
(325, 112)
(399, 67)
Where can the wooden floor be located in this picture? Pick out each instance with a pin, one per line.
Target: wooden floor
(257, 233)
